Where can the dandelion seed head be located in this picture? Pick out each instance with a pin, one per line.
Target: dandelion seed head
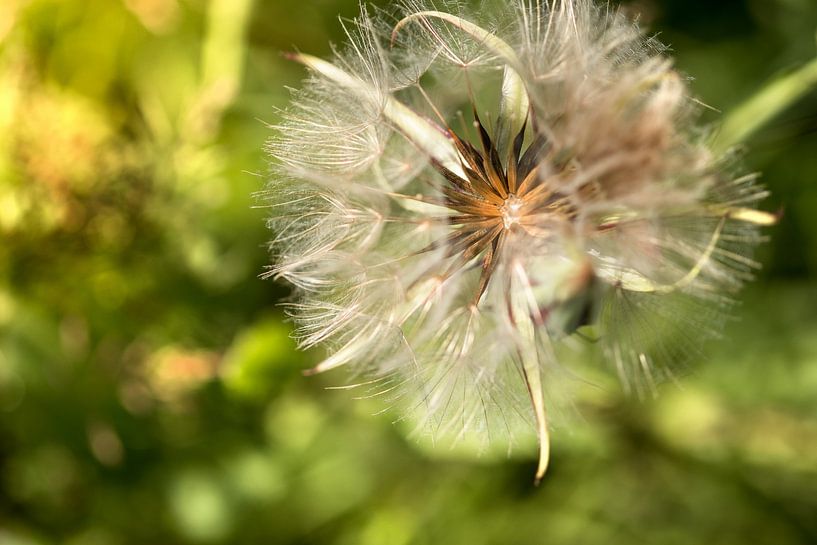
(456, 194)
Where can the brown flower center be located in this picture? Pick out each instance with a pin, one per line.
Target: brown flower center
(490, 199)
(511, 210)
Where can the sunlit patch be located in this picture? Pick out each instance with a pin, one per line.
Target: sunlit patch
(511, 211)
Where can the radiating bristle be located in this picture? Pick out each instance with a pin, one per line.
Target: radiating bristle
(446, 265)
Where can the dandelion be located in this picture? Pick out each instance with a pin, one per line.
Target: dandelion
(456, 195)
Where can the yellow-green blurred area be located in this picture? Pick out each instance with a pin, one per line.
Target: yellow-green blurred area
(149, 390)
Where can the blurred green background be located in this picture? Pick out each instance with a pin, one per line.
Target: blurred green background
(150, 394)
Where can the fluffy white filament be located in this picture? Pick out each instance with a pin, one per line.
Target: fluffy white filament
(446, 276)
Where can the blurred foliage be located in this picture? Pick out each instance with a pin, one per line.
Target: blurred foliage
(149, 391)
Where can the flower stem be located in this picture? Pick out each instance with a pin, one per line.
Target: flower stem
(765, 105)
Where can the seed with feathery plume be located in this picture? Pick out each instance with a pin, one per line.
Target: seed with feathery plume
(444, 266)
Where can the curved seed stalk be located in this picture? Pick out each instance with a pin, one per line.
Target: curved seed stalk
(514, 103)
(632, 280)
(531, 368)
(750, 215)
(425, 135)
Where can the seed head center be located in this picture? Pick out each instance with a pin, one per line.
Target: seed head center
(511, 210)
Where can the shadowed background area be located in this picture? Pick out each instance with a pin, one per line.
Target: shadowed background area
(149, 390)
